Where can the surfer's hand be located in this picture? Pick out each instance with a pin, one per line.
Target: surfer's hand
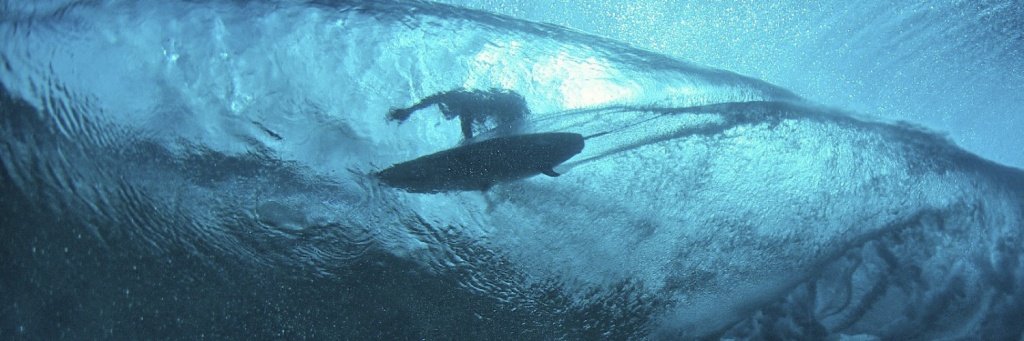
(398, 114)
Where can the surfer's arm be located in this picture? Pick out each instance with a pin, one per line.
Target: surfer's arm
(402, 114)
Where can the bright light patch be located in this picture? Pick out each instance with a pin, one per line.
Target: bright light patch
(585, 82)
(683, 91)
(582, 83)
(498, 65)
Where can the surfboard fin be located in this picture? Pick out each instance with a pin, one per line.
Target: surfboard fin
(550, 172)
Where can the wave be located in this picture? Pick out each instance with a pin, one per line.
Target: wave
(226, 146)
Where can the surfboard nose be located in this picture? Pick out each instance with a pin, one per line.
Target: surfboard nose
(576, 143)
(564, 145)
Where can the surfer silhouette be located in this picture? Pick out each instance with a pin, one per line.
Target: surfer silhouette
(499, 109)
(477, 165)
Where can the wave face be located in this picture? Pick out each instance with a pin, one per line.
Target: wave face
(174, 169)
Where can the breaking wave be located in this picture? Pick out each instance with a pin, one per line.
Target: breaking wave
(201, 168)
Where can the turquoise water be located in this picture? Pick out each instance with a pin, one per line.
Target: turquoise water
(953, 66)
(203, 170)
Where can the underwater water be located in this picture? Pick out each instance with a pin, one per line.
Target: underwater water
(185, 169)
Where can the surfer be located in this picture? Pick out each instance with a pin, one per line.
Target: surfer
(500, 109)
(478, 165)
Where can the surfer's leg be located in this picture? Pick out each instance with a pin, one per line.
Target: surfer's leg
(467, 125)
